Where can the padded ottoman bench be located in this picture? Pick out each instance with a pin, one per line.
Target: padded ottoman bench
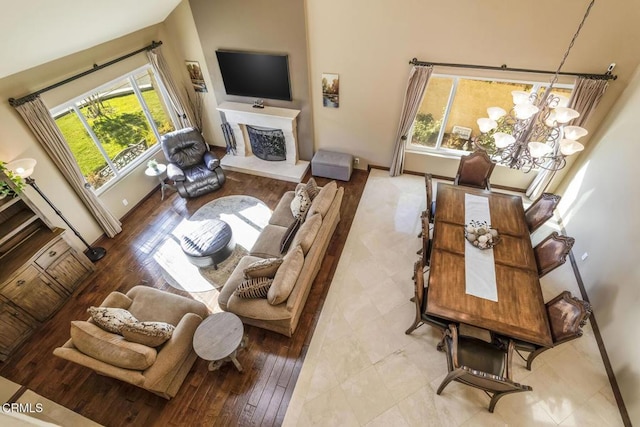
(209, 244)
(329, 164)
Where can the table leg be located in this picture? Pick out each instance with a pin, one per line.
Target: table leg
(161, 187)
(235, 361)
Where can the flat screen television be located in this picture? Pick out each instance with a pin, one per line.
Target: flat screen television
(258, 75)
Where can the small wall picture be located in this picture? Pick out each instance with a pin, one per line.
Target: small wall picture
(195, 73)
(330, 90)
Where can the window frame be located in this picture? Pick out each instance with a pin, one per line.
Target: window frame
(119, 174)
(438, 150)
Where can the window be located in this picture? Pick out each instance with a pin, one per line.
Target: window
(110, 129)
(446, 119)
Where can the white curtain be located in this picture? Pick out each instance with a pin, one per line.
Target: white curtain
(584, 99)
(181, 105)
(418, 79)
(36, 116)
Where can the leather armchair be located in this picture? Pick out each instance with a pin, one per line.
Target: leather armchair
(194, 170)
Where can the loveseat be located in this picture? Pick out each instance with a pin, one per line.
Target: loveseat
(307, 249)
(113, 356)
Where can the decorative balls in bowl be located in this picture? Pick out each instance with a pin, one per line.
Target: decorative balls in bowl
(481, 235)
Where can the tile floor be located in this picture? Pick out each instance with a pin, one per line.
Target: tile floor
(362, 370)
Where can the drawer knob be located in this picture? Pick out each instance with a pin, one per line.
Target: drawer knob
(21, 282)
(52, 253)
(15, 314)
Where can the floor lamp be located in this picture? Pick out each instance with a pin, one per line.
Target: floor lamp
(24, 168)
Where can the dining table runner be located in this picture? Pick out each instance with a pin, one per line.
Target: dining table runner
(480, 270)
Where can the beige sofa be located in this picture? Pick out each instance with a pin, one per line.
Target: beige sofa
(283, 317)
(171, 362)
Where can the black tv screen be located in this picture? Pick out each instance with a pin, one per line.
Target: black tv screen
(257, 75)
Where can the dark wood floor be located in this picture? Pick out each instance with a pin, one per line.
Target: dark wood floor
(272, 362)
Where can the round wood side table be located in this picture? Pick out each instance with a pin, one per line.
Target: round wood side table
(158, 173)
(218, 339)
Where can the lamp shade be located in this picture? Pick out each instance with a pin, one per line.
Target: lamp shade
(22, 167)
(539, 149)
(521, 97)
(525, 111)
(565, 115)
(486, 124)
(495, 112)
(503, 139)
(574, 132)
(569, 147)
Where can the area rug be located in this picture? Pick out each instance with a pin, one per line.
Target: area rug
(246, 215)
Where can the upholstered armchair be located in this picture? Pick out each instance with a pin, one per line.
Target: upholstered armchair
(475, 170)
(194, 169)
(541, 211)
(160, 370)
(479, 364)
(552, 252)
(567, 315)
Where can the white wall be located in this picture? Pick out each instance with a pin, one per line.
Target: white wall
(369, 43)
(600, 208)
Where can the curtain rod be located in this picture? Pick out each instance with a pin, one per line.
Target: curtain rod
(503, 67)
(17, 102)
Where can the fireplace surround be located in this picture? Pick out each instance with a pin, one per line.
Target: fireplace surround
(239, 116)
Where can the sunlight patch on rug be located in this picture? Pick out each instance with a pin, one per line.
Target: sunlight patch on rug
(247, 217)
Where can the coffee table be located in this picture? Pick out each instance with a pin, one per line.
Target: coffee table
(218, 339)
(208, 242)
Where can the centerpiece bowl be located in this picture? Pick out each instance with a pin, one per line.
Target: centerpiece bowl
(481, 235)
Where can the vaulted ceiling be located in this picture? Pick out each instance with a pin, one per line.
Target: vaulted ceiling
(33, 32)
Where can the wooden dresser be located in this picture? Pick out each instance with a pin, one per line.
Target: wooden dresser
(39, 270)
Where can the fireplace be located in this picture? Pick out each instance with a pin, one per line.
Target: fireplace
(267, 144)
(266, 141)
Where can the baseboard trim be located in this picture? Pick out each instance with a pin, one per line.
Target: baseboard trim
(603, 351)
(447, 178)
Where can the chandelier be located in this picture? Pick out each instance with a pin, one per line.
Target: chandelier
(534, 133)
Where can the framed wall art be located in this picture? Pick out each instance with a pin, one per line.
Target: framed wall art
(330, 90)
(195, 74)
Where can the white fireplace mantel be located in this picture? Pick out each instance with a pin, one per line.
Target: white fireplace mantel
(239, 115)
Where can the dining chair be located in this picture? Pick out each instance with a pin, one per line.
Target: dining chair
(540, 211)
(430, 204)
(552, 252)
(479, 364)
(420, 301)
(567, 315)
(475, 170)
(425, 235)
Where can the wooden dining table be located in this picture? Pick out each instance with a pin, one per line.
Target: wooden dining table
(519, 311)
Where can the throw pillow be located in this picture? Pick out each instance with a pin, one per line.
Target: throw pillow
(151, 334)
(312, 188)
(257, 287)
(289, 235)
(111, 319)
(300, 204)
(307, 233)
(323, 200)
(262, 268)
(286, 277)
(110, 348)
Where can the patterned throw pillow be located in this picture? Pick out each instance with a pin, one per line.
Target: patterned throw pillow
(151, 334)
(257, 287)
(263, 268)
(300, 204)
(312, 188)
(111, 319)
